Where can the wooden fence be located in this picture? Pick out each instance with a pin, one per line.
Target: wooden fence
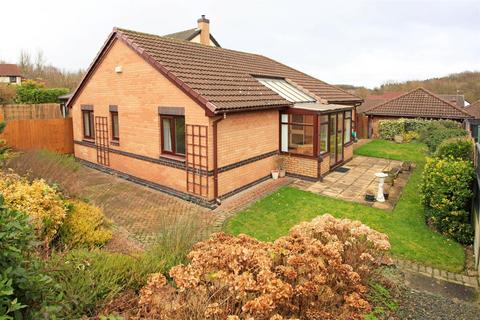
(31, 111)
(52, 134)
(362, 126)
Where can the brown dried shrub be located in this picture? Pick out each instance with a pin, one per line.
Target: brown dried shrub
(318, 271)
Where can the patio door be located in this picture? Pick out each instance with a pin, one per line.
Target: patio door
(333, 139)
(101, 140)
(339, 137)
(336, 138)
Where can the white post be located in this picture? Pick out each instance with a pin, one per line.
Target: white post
(381, 179)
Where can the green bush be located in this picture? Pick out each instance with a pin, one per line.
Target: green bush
(446, 193)
(25, 292)
(388, 129)
(453, 224)
(85, 226)
(415, 124)
(436, 131)
(436, 137)
(33, 92)
(460, 148)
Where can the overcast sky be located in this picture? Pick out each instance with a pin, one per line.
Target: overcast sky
(355, 42)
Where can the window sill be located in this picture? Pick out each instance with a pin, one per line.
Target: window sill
(298, 155)
(87, 140)
(115, 143)
(172, 157)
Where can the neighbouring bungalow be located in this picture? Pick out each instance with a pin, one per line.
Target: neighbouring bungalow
(201, 34)
(202, 122)
(10, 73)
(474, 124)
(417, 103)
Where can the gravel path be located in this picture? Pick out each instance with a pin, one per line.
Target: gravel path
(426, 306)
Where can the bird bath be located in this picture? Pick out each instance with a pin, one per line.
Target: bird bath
(381, 179)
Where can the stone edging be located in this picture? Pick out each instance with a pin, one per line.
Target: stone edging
(466, 280)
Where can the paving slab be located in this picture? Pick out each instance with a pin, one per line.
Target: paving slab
(354, 183)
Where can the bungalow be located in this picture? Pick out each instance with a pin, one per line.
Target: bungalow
(10, 73)
(417, 103)
(202, 122)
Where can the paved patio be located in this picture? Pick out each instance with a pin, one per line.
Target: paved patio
(354, 183)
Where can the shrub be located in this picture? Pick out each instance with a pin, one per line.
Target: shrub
(460, 148)
(32, 92)
(38, 200)
(453, 224)
(85, 226)
(438, 136)
(7, 93)
(388, 129)
(437, 131)
(447, 184)
(25, 292)
(415, 124)
(446, 194)
(313, 273)
(409, 136)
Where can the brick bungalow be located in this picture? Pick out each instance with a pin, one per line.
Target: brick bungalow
(203, 122)
(417, 103)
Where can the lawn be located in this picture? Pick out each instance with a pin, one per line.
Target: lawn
(411, 239)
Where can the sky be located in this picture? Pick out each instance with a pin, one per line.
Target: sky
(363, 43)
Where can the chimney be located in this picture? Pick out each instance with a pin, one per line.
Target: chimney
(204, 26)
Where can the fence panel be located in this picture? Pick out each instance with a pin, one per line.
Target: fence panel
(31, 111)
(362, 126)
(52, 134)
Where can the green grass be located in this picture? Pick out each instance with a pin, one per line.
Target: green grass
(410, 237)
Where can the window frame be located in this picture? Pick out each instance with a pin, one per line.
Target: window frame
(112, 114)
(291, 123)
(90, 124)
(345, 118)
(173, 137)
(14, 78)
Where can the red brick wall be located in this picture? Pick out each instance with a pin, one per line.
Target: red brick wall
(244, 136)
(302, 166)
(138, 92)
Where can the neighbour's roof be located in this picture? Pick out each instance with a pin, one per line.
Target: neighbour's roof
(188, 35)
(222, 80)
(474, 109)
(419, 103)
(376, 99)
(458, 99)
(7, 69)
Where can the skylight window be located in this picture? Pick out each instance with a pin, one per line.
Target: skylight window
(285, 90)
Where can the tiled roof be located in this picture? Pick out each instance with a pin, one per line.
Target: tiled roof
(419, 103)
(474, 109)
(184, 35)
(9, 70)
(225, 78)
(376, 99)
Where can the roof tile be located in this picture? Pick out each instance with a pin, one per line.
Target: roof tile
(226, 77)
(419, 103)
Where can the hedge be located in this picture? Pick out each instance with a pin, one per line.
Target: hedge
(446, 193)
(33, 92)
(390, 128)
(458, 147)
